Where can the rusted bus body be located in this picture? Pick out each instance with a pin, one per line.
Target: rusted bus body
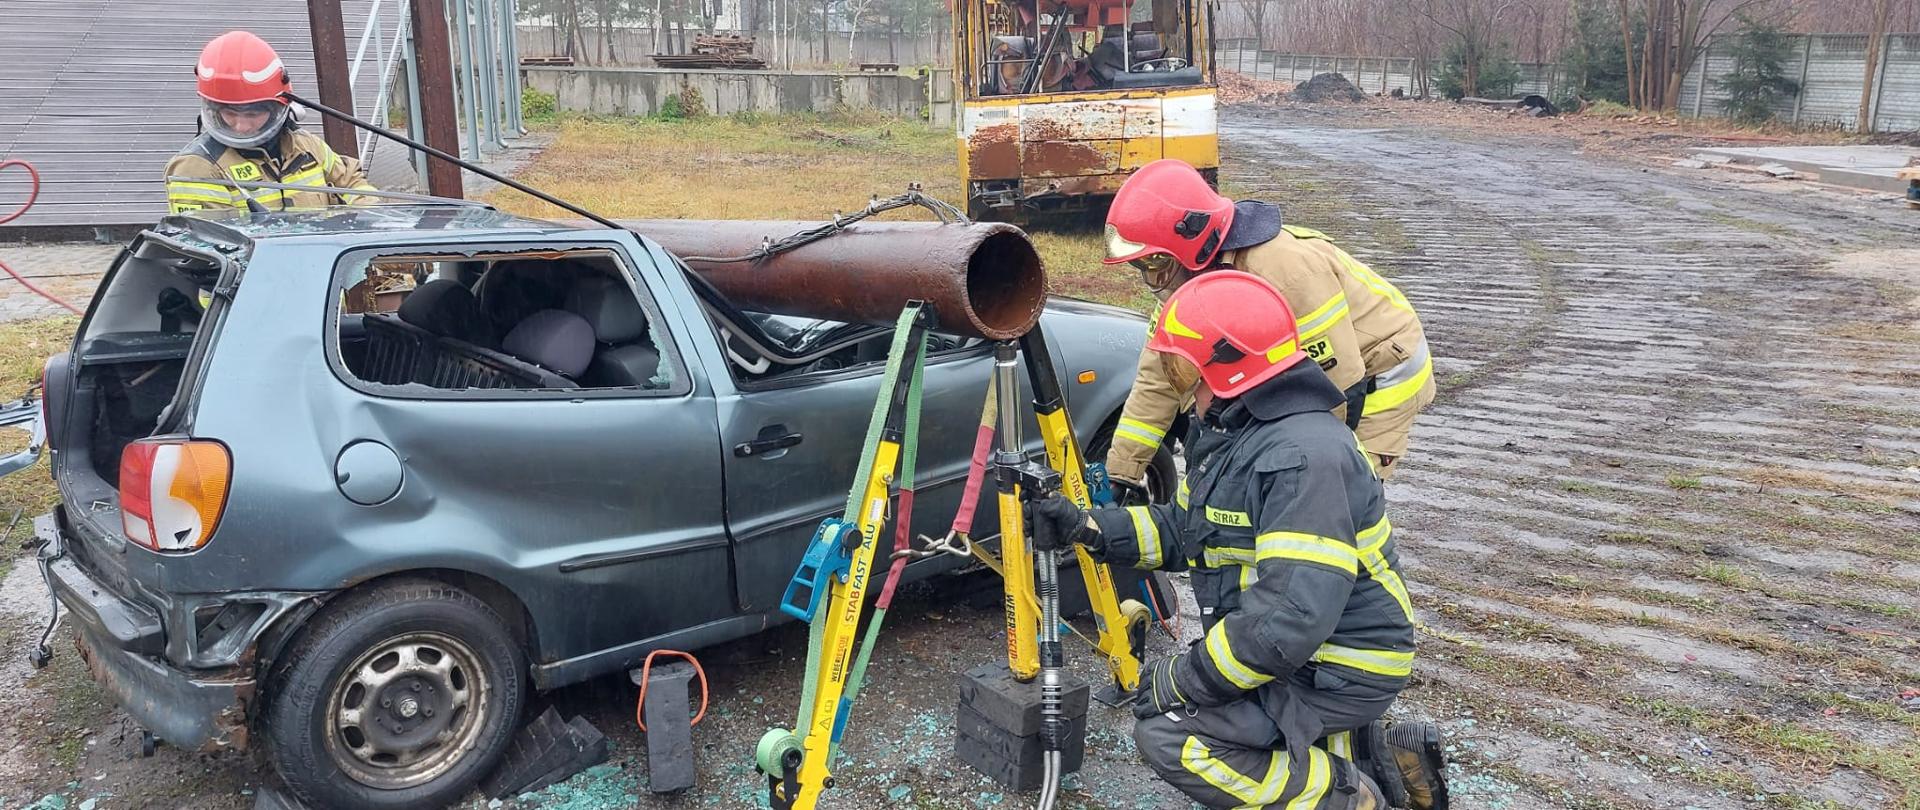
(1071, 143)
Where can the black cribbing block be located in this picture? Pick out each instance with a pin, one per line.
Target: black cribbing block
(1014, 762)
(1014, 706)
(997, 726)
(546, 751)
(589, 748)
(669, 727)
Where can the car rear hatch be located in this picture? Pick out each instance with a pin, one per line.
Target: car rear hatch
(133, 373)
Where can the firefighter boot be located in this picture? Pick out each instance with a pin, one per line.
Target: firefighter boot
(1373, 757)
(1415, 747)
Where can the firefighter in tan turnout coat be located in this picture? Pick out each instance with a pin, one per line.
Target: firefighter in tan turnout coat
(1362, 332)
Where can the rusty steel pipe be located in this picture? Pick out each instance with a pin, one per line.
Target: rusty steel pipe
(983, 279)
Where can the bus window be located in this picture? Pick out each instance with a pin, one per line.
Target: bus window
(1084, 45)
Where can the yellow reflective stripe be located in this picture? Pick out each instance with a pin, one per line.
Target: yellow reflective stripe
(1199, 760)
(1373, 537)
(1219, 556)
(1389, 397)
(1181, 498)
(1146, 536)
(1374, 282)
(310, 177)
(1282, 351)
(1249, 577)
(1228, 517)
(1391, 663)
(1373, 543)
(1320, 320)
(176, 195)
(1308, 548)
(1319, 778)
(215, 188)
(1340, 744)
(1221, 651)
(1135, 430)
(1303, 232)
(1171, 323)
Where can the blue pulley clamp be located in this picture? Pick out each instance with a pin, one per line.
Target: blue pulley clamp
(828, 554)
(1099, 487)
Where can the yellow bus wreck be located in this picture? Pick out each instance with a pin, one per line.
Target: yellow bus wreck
(1062, 101)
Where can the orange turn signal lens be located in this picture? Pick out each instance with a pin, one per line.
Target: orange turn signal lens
(1087, 377)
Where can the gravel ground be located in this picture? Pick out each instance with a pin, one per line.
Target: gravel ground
(1663, 525)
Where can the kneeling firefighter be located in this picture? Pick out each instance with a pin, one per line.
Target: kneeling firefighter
(1283, 503)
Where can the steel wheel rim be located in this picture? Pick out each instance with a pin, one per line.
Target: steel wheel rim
(404, 712)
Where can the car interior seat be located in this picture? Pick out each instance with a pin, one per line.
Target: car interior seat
(558, 342)
(624, 354)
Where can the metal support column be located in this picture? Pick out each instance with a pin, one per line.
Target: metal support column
(489, 69)
(463, 31)
(516, 120)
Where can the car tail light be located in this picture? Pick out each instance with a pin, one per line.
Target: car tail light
(172, 491)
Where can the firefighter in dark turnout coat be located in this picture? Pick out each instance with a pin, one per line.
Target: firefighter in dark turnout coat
(1283, 501)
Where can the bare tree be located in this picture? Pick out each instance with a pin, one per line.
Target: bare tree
(1473, 24)
(1876, 36)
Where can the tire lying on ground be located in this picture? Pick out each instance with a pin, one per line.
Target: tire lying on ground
(402, 694)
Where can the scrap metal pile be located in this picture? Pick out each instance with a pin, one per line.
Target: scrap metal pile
(714, 52)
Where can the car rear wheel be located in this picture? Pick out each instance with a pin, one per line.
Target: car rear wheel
(401, 695)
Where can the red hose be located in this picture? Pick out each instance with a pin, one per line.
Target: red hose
(33, 193)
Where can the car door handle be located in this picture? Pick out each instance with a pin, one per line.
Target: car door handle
(763, 446)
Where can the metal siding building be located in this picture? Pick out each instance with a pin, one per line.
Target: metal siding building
(98, 94)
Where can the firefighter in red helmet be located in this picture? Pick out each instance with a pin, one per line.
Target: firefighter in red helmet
(1171, 226)
(247, 134)
(1277, 706)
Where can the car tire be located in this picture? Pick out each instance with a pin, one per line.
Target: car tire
(399, 695)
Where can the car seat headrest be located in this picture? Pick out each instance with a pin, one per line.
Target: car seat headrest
(554, 339)
(610, 307)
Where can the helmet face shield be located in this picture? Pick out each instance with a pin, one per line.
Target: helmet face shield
(1161, 271)
(243, 126)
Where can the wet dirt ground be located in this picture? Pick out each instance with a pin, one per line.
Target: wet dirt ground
(1662, 525)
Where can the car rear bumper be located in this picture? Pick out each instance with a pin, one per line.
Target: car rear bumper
(123, 643)
(186, 712)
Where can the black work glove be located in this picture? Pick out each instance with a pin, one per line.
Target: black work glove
(1054, 523)
(1160, 690)
(1128, 493)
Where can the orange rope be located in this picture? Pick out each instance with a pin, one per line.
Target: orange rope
(646, 668)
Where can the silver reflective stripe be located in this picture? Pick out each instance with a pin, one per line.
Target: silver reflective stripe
(1406, 370)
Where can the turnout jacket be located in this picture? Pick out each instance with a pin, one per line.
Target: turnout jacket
(1356, 325)
(300, 158)
(1282, 501)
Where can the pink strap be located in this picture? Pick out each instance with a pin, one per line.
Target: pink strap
(970, 497)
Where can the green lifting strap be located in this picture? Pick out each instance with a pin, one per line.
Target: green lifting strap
(876, 424)
(909, 441)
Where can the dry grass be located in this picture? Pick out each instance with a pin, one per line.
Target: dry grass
(803, 167)
(24, 347)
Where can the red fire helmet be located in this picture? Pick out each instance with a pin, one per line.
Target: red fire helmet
(1234, 326)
